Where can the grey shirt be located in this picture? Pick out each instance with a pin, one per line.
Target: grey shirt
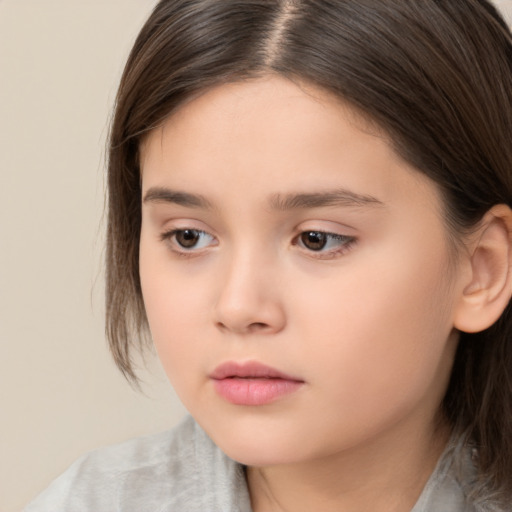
(184, 471)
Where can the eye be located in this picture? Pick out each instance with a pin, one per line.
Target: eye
(188, 239)
(320, 241)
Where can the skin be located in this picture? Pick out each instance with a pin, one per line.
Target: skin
(367, 323)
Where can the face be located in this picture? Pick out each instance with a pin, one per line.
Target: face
(296, 274)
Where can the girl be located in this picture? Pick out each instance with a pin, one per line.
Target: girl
(309, 210)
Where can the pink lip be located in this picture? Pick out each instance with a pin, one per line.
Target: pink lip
(252, 383)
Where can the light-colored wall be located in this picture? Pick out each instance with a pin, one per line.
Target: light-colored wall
(60, 394)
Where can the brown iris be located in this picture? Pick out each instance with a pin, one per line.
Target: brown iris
(314, 240)
(187, 238)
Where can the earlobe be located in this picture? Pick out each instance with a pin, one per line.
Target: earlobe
(487, 291)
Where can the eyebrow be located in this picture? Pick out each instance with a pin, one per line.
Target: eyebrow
(280, 202)
(337, 198)
(166, 195)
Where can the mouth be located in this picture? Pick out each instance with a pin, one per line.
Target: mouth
(252, 383)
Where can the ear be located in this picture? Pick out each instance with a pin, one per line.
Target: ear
(488, 286)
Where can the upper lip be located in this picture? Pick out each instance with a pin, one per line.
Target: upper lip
(248, 370)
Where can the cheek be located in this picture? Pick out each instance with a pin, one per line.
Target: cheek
(172, 303)
(174, 324)
(383, 327)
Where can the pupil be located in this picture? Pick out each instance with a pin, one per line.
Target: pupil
(314, 240)
(187, 238)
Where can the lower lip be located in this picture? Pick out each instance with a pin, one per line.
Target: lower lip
(256, 391)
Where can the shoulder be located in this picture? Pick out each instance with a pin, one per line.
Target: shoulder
(181, 469)
(454, 487)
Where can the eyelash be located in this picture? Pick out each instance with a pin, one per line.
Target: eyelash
(345, 242)
(176, 247)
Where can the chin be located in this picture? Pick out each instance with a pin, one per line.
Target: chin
(258, 456)
(258, 448)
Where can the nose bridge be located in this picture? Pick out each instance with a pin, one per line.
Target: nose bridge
(248, 299)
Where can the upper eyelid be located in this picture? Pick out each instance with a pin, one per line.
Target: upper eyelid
(344, 231)
(172, 231)
(168, 235)
(328, 233)
(298, 232)
(326, 225)
(341, 250)
(165, 234)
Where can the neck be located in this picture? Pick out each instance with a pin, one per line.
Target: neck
(385, 474)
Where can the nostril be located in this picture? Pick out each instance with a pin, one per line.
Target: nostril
(220, 325)
(257, 317)
(252, 327)
(258, 326)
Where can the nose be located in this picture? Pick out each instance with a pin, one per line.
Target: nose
(249, 298)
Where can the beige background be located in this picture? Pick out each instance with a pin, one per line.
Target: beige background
(60, 394)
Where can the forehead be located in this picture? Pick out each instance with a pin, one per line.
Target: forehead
(271, 135)
(248, 105)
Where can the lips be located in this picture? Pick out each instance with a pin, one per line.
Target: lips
(252, 383)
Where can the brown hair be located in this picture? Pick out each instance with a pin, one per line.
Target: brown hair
(436, 75)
